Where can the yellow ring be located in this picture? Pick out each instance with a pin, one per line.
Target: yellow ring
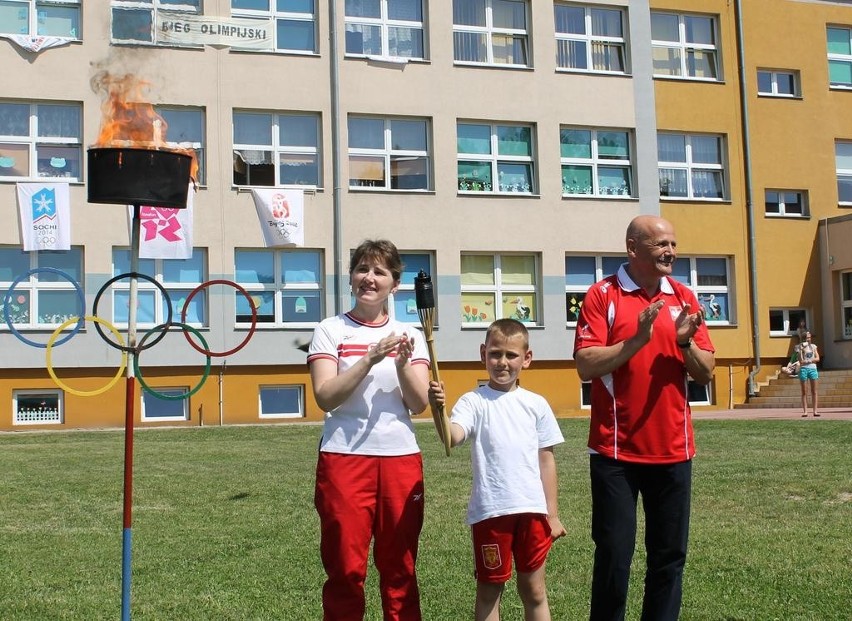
(86, 393)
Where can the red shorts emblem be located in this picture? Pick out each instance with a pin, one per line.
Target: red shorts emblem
(491, 556)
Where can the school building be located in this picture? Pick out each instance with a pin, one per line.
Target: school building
(502, 145)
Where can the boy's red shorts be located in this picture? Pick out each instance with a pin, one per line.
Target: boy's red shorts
(524, 536)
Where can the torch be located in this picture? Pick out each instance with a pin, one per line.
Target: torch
(426, 311)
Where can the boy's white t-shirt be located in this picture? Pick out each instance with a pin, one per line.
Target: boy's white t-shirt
(374, 419)
(506, 430)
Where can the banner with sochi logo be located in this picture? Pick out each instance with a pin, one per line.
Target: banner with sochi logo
(165, 233)
(45, 210)
(282, 216)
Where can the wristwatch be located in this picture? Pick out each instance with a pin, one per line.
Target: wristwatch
(686, 345)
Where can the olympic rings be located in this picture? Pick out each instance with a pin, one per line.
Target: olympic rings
(165, 328)
(163, 292)
(85, 393)
(80, 297)
(244, 342)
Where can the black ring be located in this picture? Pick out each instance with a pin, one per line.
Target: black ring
(134, 348)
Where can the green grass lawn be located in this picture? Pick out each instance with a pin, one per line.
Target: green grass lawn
(224, 526)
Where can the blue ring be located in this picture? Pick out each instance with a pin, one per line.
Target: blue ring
(52, 270)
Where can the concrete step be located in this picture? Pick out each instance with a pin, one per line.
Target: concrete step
(835, 390)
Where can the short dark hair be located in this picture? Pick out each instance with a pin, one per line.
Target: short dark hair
(508, 328)
(381, 251)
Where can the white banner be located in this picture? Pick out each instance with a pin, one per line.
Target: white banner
(282, 216)
(188, 29)
(45, 210)
(38, 43)
(164, 232)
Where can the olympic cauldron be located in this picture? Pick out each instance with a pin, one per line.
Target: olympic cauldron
(138, 176)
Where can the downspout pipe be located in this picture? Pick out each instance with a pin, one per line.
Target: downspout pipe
(752, 241)
(339, 271)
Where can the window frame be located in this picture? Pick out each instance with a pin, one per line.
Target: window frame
(603, 264)
(839, 58)
(405, 294)
(589, 39)
(500, 291)
(36, 15)
(36, 285)
(494, 159)
(273, 17)
(790, 317)
(596, 162)
(197, 146)
(845, 277)
(299, 388)
(157, 271)
(693, 386)
(276, 149)
(147, 400)
(38, 418)
(389, 155)
(385, 23)
(782, 204)
(192, 7)
(705, 293)
(489, 31)
(843, 174)
(690, 166)
(774, 91)
(34, 143)
(278, 288)
(685, 48)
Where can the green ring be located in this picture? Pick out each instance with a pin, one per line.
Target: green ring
(138, 371)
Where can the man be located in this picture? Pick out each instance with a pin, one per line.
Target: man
(637, 340)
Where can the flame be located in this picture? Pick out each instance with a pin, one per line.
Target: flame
(129, 120)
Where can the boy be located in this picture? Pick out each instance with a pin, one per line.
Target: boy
(513, 505)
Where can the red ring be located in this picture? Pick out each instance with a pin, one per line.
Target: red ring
(245, 341)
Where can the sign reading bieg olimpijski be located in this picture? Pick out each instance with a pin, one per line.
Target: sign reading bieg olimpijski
(183, 29)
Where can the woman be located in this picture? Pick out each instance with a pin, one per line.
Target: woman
(808, 358)
(369, 373)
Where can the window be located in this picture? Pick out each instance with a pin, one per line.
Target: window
(786, 203)
(156, 409)
(839, 43)
(581, 272)
(495, 158)
(785, 321)
(390, 154)
(40, 18)
(778, 83)
(708, 279)
(589, 38)
(497, 286)
(276, 149)
(134, 21)
(293, 22)
(40, 141)
(491, 32)
(595, 162)
(684, 46)
(285, 286)
(698, 394)
(586, 395)
(691, 166)
(846, 303)
(178, 276)
(44, 299)
(384, 28)
(38, 407)
(281, 402)
(185, 130)
(404, 305)
(843, 161)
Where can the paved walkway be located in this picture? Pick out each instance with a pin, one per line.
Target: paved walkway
(773, 413)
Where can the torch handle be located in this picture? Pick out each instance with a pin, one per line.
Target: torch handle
(442, 423)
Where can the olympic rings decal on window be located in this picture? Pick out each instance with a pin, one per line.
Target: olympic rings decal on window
(164, 328)
(163, 292)
(7, 301)
(244, 342)
(52, 342)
